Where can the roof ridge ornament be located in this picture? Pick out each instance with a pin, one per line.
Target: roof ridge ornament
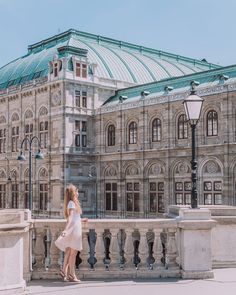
(168, 88)
(223, 77)
(193, 85)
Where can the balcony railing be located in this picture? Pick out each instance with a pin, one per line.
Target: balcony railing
(118, 248)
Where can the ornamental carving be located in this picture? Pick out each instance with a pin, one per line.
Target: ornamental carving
(15, 117)
(156, 169)
(132, 170)
(182, 168)
(110, 171)
(43, 173)
(2, 119)
(2, 174)
(211, 167)
(43, 111)
(56, 98)
(28, 114)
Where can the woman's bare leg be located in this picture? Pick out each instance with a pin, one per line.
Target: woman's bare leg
(66, 260)
(72, 258)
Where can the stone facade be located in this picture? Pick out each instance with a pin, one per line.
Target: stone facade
(135, 173)
(167, 162)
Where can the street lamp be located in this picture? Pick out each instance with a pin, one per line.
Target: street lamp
(193, 105)
(38, 156)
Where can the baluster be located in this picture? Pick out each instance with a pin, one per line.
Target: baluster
(164, 241)
(47, 245)
(39, 250)
(92, 240)
(129, 249)
(33, 259)
(121, 237)
(157, 248)
(107, 242)
(171, 248)
(99, 249)
(150, 243)
(114, 249)
(143, 249)
(84, 252)
(54, 251)
(136, 243)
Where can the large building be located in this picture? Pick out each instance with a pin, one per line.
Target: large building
(85, 97)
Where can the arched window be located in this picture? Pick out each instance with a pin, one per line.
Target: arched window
(212, 123)
(133, 132)
(156, 130)
(182, 127)
(111, 135)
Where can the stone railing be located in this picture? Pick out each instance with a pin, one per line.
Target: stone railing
(111, 248)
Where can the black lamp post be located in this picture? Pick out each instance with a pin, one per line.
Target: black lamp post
(38, 156)
(193, 107)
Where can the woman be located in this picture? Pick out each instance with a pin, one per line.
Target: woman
(70, 240)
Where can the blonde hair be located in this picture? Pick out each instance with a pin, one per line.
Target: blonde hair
(71, 194)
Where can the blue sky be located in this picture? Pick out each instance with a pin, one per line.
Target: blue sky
(193, 28)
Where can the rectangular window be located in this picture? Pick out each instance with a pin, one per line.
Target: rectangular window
(84, 140)
(84, 71)
(183, 192)
(132, 196)
(14, 138)
(28, 133)
(26, 195)
(43, 196)
(15, 195)
(77, 69)
(156, 197)
(77, 140)
(212, 192)
(77, 125)
(2, 141)
(77, 98)
(84, 99)
(111, 196)
(2, 195)
(43, 134)
(84, 126)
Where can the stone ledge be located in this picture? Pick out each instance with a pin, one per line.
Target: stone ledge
(197, 224)
(197, 275)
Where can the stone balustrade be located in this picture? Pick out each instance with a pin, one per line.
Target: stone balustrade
(111, 248)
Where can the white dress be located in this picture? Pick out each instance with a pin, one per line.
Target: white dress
(73, 237)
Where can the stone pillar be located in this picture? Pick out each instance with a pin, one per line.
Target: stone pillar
(13, 226)
(194, 228)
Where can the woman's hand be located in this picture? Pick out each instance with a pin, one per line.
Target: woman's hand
(63, 234)
(84, 219)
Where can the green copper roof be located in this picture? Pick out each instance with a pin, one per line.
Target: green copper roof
(115, 60)
(214, 77)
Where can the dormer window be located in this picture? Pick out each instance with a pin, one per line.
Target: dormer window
(80, 70)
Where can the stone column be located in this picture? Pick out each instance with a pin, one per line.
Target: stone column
(12, 230)
(194, 228)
